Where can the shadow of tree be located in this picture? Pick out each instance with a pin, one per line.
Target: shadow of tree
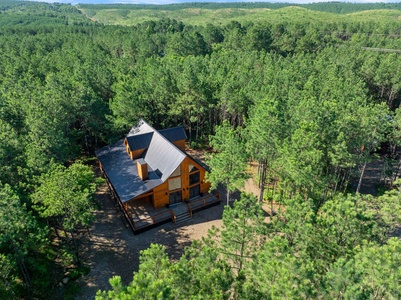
(112, 249)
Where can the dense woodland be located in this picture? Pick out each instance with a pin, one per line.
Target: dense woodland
(311, 100)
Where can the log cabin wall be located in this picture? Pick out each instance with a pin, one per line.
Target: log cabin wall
(185, 179)
(136, 153)
(203, 186)
(161, 195)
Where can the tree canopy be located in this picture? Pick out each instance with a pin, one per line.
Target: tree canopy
(309, 93)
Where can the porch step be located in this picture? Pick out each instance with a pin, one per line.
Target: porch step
(181, 213)
(182, 217)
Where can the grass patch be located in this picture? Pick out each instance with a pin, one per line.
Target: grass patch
(129, 15)
(78, 272)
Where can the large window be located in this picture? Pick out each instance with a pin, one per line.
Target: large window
(174, 184)
(194, 178)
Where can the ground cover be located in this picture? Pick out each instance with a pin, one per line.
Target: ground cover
(129, 15)
(112, 249)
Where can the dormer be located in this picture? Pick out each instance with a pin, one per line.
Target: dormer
(136, 145)
(175, 135)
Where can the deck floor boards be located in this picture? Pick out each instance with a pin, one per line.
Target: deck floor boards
(144, 215)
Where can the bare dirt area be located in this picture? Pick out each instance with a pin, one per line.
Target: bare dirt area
(112, 248)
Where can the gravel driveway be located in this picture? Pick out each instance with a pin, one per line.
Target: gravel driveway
(112, 248)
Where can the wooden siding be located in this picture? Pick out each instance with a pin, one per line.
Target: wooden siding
(142, 169)
(137, 153)
(180, 144)
(161, 193)
(204, 186)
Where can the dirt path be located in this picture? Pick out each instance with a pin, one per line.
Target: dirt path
(113, 249)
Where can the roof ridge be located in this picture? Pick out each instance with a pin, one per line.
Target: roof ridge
(171, 128)
(164, 136)
(157, 135)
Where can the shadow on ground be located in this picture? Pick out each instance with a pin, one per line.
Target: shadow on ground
(112, 248)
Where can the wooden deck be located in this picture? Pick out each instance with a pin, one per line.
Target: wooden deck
(198, 203)
(144, 216)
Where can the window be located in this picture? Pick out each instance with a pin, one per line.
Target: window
(194, 191)
(194, 178)
(175, 197)
(177, 172)
(192, 168)
(174, 184)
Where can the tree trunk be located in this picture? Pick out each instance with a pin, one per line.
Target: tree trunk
(75, 249)
(262, 180)
(242, 249)
(55, 228)
(395, 173)
(361, 177)
(27, 279)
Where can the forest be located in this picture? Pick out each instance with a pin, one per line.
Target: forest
(311, 94)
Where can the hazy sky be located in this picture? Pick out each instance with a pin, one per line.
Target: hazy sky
(181, 1)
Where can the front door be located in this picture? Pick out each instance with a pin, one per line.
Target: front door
(175, 197)
(194, 191)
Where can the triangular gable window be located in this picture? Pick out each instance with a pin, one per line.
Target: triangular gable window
(177, 172)
(192, 168)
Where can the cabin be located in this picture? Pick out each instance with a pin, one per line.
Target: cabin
(153, 179)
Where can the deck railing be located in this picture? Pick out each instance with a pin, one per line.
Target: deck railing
(204, 201)
(153, 219)
(169, 214)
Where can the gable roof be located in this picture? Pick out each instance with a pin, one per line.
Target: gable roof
(140, 141)
(174, 134)
(161, 155)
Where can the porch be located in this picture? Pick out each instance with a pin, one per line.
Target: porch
(144, 216)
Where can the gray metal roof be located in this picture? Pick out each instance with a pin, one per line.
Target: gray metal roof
(140, 141)
(162, 158)
(123, 172)
(174, 134)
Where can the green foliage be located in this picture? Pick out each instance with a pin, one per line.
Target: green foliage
(242, 232)
(201, 268)
(229, 162)
(20, 238)
(158, 278)
(373, 272)
(66, 194)
(332, 251)
(277, 273)
(78, 272)
(10, 154)
(223, 13)
(308, 91)
(152, 280)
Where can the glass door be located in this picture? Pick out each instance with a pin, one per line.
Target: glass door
(194, 191)
(176, 197)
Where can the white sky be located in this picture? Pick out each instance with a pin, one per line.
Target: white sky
(220, 1)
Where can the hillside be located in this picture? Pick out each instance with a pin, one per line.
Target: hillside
(305, 93)
(219, 14)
